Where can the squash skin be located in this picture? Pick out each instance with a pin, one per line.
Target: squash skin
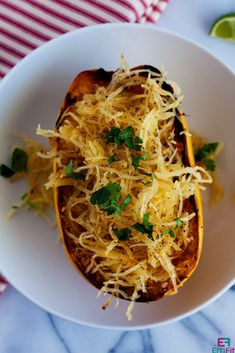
(85, 82)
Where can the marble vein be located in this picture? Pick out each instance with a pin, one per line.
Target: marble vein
(211, 323)
(118, 343)
(147, 341)
(64, 344)
(194, 330)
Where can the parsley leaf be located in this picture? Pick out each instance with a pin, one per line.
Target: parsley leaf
(125, 136)
(104, 196)
(23, 197)
(170, 232)
(204, 153)
(78, 175)
(127, 133)
(5, 171)
(69, 168)
(206, 150)
(19, 160)
(107, 199)
(210, 164)
(146, 227)
(32, 205)
(136, 159)
(74, 175)
(125, 202)
(146, 221)
(110, 135)
(122, 234)
(111, 158)
(117, 209)
(178, 222)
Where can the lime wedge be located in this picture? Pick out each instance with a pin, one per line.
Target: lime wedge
(224, 27)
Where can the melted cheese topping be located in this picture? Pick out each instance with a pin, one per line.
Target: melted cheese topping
(159, 187)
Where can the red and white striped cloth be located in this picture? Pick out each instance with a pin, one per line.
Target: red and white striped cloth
(3, 284)
(26, 24)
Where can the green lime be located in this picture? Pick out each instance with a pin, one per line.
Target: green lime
(224, 27)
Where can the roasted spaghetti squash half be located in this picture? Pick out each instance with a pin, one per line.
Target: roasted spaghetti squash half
(126, 187)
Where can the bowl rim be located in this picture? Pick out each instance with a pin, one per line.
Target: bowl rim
(53, 42)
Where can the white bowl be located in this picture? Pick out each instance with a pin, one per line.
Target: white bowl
(30, 256)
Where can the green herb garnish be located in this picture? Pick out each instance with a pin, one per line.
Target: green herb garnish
(74, 175)
(113, 136)
(125, 203)
(111, 158)
(32, 205)
(136, 159)
(206, 150)
(69, 168)
(107, 199)
(125, 136)
(170, 232)
(5, 171)
(24, 196)
(19, 160)
(210, 164)
(178, 222)
(104, 196)
(122, 234)
(145, 227)
(204, 153)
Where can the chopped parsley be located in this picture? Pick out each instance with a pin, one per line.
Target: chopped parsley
(178, 222)
(206, 150)
(123, 136)
(170, 232)
(122, 234)
(136, 159)
(111, 158)
(107, 199)
(145, 227)
(19, 161)
(24, 196)
(210, 164)
(204, 153)
(74, 175)
(32, 205)
(5, 171)
(124, 203)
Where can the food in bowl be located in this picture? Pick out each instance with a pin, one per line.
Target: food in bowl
(126, 187)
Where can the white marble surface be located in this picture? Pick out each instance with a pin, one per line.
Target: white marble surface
(26, 328)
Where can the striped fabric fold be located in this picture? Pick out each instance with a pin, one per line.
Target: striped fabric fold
(27, 24)
(3, 284)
